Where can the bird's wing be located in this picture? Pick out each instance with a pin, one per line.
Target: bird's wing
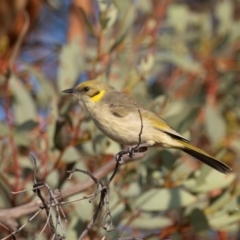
(120, 105)
(119, 111)
(159, 124)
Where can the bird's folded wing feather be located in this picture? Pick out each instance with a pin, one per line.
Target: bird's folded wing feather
(159, 124)
(122, 105)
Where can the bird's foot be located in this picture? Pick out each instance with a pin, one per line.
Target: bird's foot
(133, 150)
(137, 149)
(119, 157)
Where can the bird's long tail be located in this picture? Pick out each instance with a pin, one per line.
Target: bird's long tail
(204, 157)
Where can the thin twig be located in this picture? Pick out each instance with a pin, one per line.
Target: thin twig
(20, 39)
(8, 230)
(24, 225)
(140, 133)
(95, 215)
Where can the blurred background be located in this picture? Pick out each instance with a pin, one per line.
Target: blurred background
(179, 58)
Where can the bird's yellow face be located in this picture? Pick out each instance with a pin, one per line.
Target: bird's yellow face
(90, 92)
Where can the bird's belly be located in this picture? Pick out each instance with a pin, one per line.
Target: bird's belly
(130, 130)
(122, 130)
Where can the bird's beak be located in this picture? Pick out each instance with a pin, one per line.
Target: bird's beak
(70, 90)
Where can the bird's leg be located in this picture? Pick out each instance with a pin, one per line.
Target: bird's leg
(137, 148)
(119, 157)
(131, 151)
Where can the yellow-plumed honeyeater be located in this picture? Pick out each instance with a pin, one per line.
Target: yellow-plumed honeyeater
(118, 116)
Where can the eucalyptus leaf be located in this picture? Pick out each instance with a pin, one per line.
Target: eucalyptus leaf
(23, 105)
(132, 190)
(178, 17)
(71, 154)
(215, 124)
(164, 199)
(224, 11)
(53, 179)
(124, 26)
(70, 65)
(26, 162)
(22, 138)
(198, 220)
(145, 5)
(53, 115)
(4, 129)
(148, 222)
(110, 16)
(219, 222)
(214, 180)
(168, 159)
(84, 208)
(183, 122)
(226, 202)
(104, 145)
(117, 206)
(122, 6)
(26, 126)
(231, 228)
(86, 20)
(46, 91)
(181, 61)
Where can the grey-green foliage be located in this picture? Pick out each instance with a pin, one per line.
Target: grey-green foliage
(151, 193)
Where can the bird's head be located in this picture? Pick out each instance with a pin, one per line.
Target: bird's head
(90, 92)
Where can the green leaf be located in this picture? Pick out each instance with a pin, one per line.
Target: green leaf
(168, 160)
(26, 126)
(117, 205)
(71, 154)
(174, 109)
(147, 63)
(71, 64)
(122, 7)
(145, 6)
(126, 23)
(219, 203)
(23, 105)
(46, 91)
(85, 207)
(148, 222)
(4, 129)
(104, 145)
(182, 61)
(22, 133)
(175, 12)
(164, 199)
(181, 171)
(109, 17)
(53, 179)
(198, 220)
(132, 190)
(26, 162)
(224, 11)
(214, 180)
(22, 138)
(51, 127)
(215, 125)
(222, 221)
(86, 20)
(182, 122)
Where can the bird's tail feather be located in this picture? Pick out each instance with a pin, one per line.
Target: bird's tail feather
(204, 157)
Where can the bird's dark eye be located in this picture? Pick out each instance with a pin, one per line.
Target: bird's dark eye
(86, 89)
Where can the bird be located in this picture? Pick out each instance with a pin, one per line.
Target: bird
(124, 120)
